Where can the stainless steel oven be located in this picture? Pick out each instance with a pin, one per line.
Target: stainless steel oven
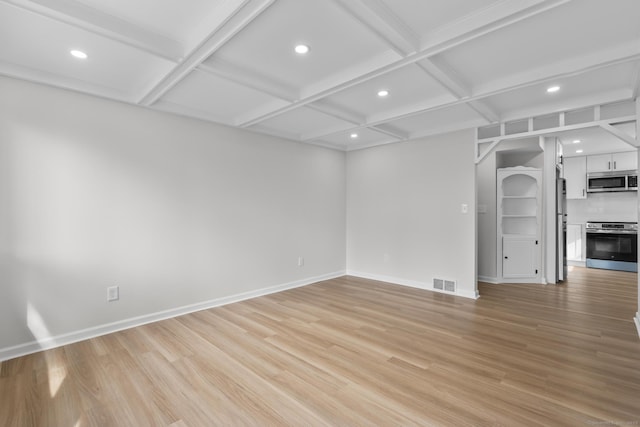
(612, 245)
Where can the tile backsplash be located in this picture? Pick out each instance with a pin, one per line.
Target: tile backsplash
(617, 206)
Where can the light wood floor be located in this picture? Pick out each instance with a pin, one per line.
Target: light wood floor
(354, 352)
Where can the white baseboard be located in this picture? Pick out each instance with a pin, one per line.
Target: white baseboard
(576, 263)
(637, 322)
(487, 279)
(412, 284)
(84, 334)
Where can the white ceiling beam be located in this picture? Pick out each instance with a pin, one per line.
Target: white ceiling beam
(565, 68)
(233, 16)
(248, 78)
(492, 117)
(577, 103)
(340, 113)
(78, 15)
(539, 132)
(484, 111)
(446, 77)
(620, 134)
(554, 73)
(448, 128)
(277, 133)
(381, 21)
(636, 82)
(316, 135)
(190, 112)
(391, 131)
(498, 15)
(64, 82)
(527, 9)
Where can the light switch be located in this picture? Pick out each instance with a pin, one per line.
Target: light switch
(464, 208)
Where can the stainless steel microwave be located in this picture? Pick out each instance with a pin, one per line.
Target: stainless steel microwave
(599, 182)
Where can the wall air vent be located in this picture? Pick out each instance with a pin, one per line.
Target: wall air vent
(449, 286)
(444, 285)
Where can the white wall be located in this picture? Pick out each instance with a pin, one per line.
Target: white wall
(404, 220)
(175, 211)
(487, 222)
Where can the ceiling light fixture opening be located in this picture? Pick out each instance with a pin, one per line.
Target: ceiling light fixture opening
(383, 93)
(301, 49)
(354, 135)
(78, 54)
(553, 89)
(577, 141)
(579, 151)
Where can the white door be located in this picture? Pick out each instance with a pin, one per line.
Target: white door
(519, 257)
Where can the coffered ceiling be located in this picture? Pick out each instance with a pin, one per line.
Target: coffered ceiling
(446, 64)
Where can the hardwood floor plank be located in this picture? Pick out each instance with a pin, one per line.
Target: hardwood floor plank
(352, 351)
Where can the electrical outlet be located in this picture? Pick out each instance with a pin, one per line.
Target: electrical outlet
(464, 208)
(113, 293)
(300, 261)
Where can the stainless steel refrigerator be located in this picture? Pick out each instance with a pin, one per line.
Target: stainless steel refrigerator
(561, 230)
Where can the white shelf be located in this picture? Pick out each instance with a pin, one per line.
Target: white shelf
(519, 225)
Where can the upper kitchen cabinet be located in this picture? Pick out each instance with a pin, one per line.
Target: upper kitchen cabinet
(613, 162)
(575, 175)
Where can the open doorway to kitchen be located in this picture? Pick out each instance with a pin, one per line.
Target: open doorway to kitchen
(565, 147)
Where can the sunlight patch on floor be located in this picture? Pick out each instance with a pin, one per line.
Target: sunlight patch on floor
(56, 371)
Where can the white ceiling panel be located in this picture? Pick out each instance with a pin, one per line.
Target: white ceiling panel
(170, 18)
(424, 17)
(569, 31)
(218, 98)
(305, 123)
(43, 52)
(447, 64)
(339, 44)
(408, 87)
(594, 140)
(438, 121)
(600, 86)
(364, 137)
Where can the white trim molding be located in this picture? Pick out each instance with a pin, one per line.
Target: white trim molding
(487, 279)
(47, 343)
(637, 322)
(412, 284)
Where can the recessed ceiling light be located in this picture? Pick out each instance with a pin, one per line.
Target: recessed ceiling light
(383, 93)
(302, 49)
(579, 151)
(576, 141)
(553, 89)
(354, 135)
(78, 54)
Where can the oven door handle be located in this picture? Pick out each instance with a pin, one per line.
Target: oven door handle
(591, 231)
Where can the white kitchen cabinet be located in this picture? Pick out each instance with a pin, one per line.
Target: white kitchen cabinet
(575, 175)
(574, 242)
(625, 161)
(519, 213)
(520, 257)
